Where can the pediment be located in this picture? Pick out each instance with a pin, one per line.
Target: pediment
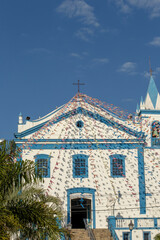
(97, 125)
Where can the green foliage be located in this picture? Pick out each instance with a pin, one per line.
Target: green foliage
(24, 205)
(157, 237)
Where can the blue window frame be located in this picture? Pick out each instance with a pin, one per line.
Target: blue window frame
(117, 165)
(146, 236)
(43, 165)
(126, 235)
(80, 166)
(155, 131)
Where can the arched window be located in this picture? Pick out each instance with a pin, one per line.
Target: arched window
(80, 166)
(43, 165)
(155, 131)
(117, 165)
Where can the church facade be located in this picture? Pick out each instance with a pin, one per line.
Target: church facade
(103, 164)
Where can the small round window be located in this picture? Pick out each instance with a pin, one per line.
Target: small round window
(79, 124)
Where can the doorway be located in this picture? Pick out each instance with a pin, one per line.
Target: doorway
(80, 209)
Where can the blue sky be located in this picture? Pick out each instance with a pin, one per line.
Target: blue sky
(45, 46)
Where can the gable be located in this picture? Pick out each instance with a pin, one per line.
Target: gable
(96, 126)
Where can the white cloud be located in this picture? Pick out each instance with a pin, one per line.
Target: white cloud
(79, 9)
(101, 60)
(146, 74)
(158, 69)
(85, 53)
(76, 55)
(155, 42)
(84, 34)
(108, 30)
(152, 6)
(155, 72)
(128, 67)
(124, 7)
(80, 56)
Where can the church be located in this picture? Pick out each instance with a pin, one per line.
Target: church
(102, 163)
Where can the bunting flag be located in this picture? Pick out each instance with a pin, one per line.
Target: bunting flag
(94, 134)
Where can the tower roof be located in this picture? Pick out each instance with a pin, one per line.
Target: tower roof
(152, 100)
(153, 91)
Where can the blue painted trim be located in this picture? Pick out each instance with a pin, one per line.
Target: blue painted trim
(90, 114)
(155, 142)
(44, 156)
(117, 156)
(81, 190)
(64, 146)
(139, 228)
(112, 227)
(112, 221)
(82, 140)
(128, 235)
(156, 147)
(149, 112)
(148, 233)
(135, 222)
(145, 218)
(142, 193)
(80, 156)
(155, 222)
(148, 194)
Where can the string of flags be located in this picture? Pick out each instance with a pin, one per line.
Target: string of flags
(62, 128)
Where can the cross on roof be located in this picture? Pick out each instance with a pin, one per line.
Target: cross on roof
(150, 69)
(78, 84)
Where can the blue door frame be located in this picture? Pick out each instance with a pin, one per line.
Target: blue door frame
(81, 190)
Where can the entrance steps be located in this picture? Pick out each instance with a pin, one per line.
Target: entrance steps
(102, 234)
(82, 234)
(79, 234)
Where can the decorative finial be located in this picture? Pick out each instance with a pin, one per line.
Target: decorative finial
(150, 69)
(78, 85)
(20, 119)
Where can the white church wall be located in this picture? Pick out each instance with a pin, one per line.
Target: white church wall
(99, 178)
(138, 234)
(123, 195)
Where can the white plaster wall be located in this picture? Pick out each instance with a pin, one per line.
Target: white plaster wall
(99, 178)
(152, 181)
(137, 234)
(107, 202)
(93, 129)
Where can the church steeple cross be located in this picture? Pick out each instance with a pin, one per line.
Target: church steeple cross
(78, 84)
(150, 69)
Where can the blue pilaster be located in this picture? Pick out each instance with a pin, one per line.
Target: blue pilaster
(68, 207)
(112, 221)
(141, 177)
(94, 210)
(135, 222)
(155, 222)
